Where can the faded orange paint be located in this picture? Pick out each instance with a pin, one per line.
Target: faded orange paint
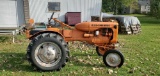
(31, 21)
(102, 34)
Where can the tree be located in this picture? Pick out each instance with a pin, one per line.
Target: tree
(155, 8)
(107, 6)
(116, 6)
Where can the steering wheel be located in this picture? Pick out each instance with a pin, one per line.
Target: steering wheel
(49, 20)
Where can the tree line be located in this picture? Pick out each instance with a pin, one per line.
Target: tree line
(117, 6)
(155, 8)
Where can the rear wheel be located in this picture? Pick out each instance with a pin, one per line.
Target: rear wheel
(48, 52)
(113, 58)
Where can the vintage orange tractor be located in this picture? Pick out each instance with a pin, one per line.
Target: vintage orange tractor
(48, 50)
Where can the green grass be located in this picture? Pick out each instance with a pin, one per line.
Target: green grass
(141, 52)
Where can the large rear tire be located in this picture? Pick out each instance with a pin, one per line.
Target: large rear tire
(48, 52)
(113, 58)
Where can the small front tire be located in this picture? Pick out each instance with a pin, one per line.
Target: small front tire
(113, 58)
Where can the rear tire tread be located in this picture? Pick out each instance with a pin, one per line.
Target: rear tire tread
(50, 35)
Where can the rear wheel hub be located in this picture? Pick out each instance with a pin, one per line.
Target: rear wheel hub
(48, 54)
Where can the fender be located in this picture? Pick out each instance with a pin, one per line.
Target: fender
(38, 33)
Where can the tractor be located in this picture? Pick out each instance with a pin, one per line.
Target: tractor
(48, 49)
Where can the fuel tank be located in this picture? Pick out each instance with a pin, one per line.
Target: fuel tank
(92, 26)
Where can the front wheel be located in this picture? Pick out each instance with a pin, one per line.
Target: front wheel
(113, 58)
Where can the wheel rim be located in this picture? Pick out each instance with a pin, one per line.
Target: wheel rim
(48, 54)
(113, 59)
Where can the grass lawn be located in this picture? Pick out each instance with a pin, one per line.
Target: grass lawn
(141, 52)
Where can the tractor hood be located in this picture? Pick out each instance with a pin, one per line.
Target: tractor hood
(92, 26)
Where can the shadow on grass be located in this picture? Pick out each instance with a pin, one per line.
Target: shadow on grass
(14, 62)
(4, 38)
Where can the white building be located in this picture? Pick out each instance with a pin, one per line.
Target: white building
(15, 13)
(144, 6)
(40, 11)
(11, 14)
